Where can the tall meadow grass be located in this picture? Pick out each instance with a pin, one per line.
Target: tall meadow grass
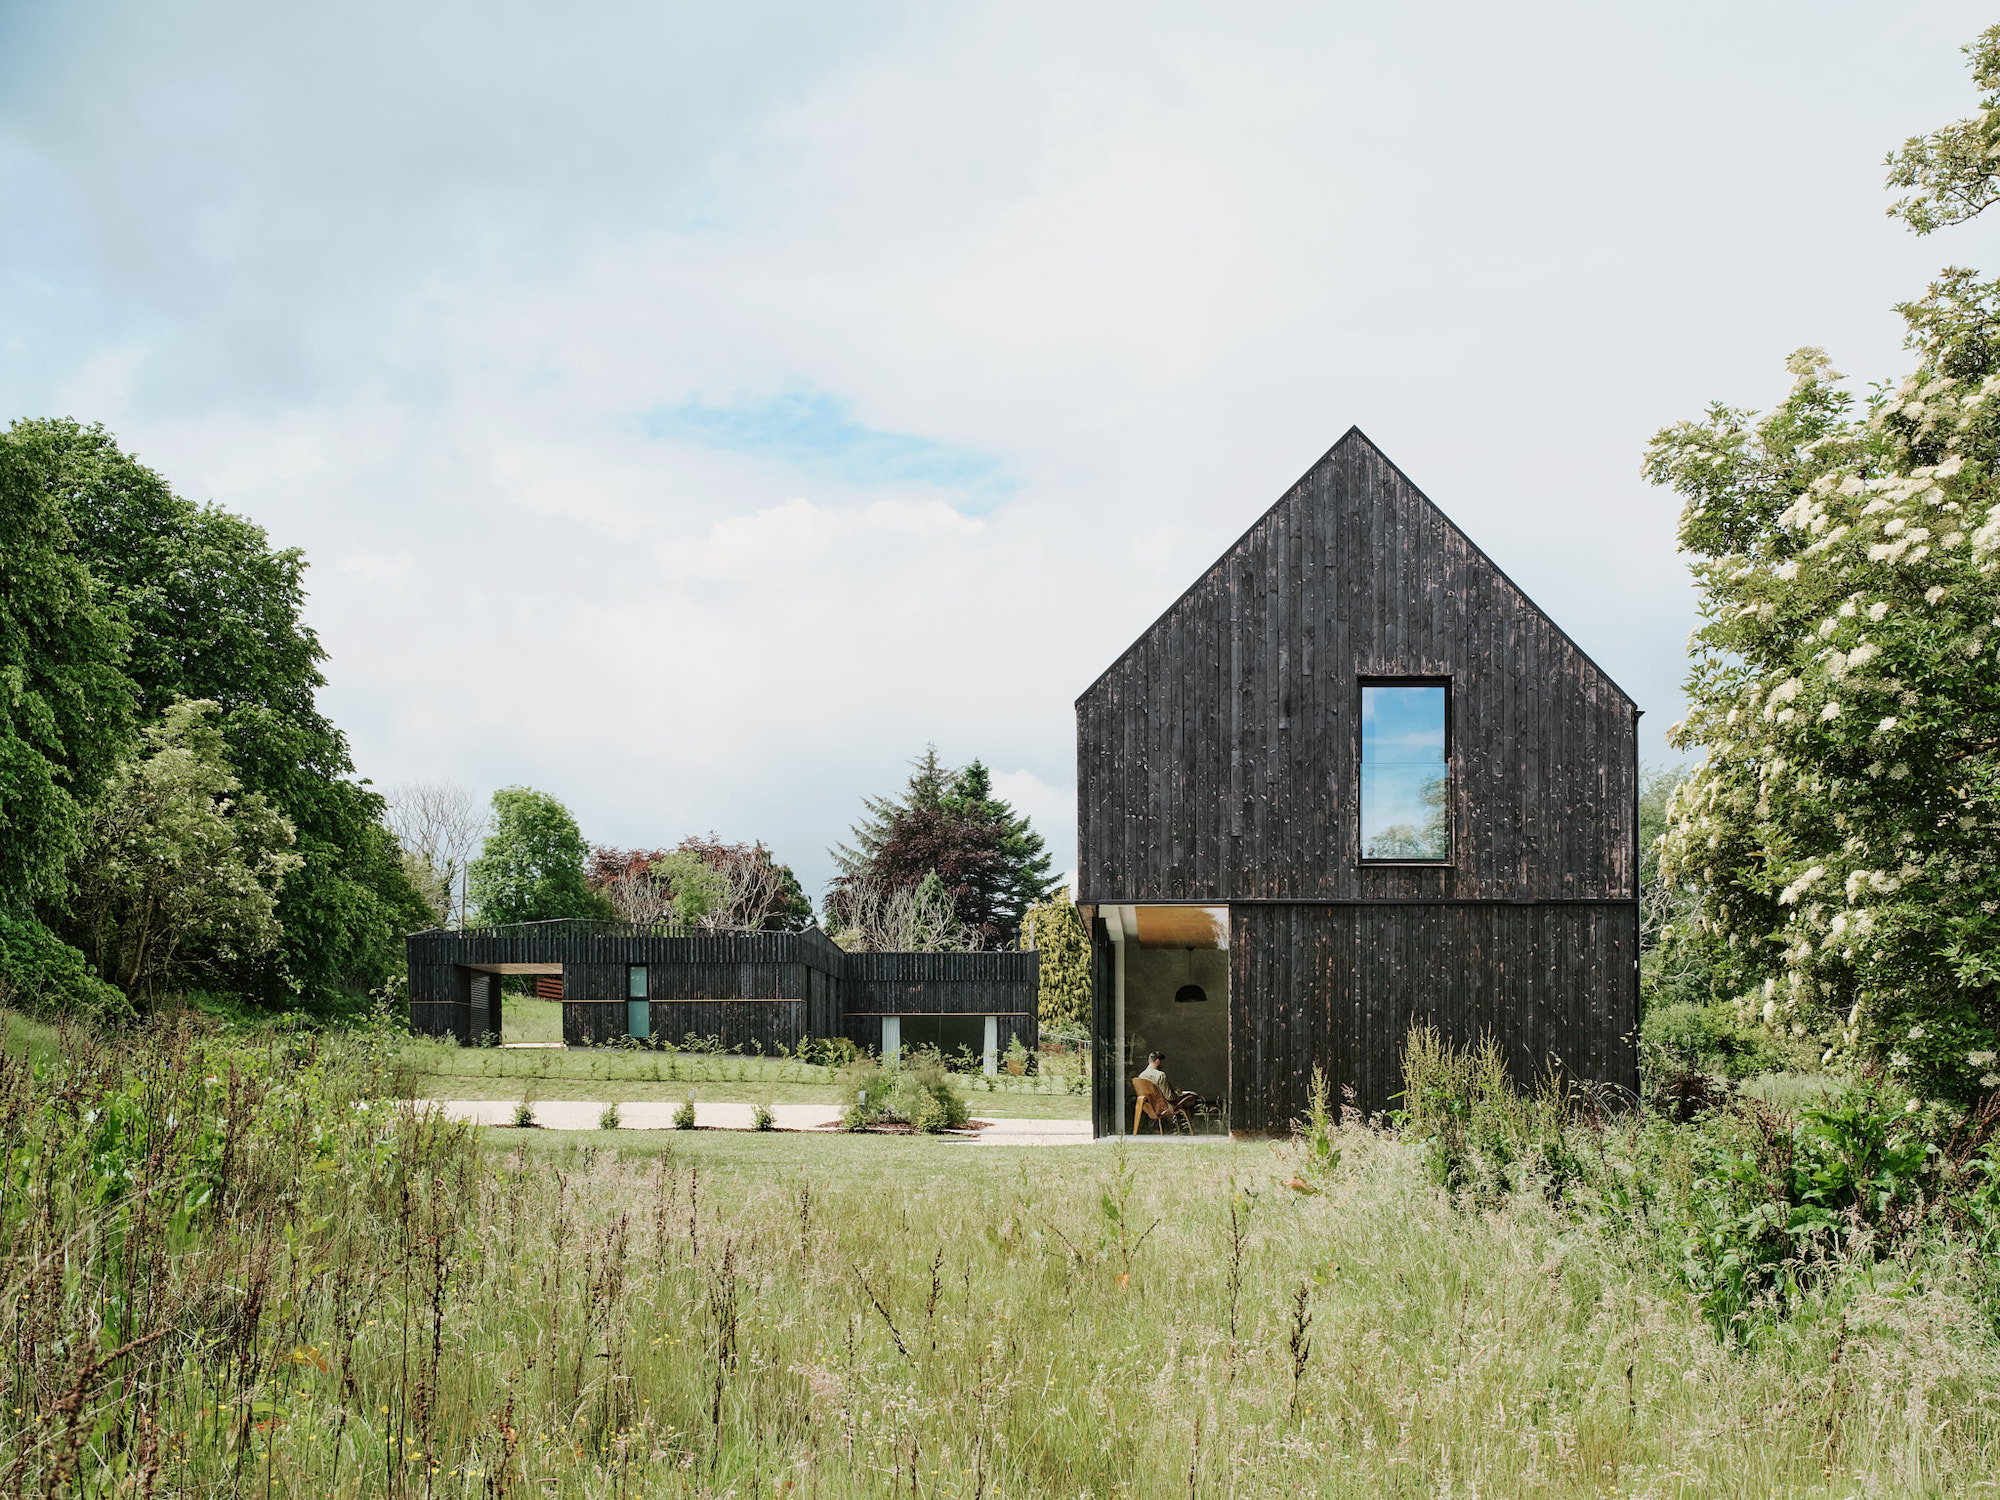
(240, 1270)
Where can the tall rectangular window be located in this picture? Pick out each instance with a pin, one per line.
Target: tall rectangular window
(638, 1013)
(1405, 772)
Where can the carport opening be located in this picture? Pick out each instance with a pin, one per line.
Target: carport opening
(1173, 997)
(524, 1008)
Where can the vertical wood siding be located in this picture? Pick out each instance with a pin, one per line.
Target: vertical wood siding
(1218, 758)
(1340, 986)
(1001, 984)
(1218, 763)
(750, 990)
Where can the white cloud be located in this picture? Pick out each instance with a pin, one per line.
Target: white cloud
(1020, 313)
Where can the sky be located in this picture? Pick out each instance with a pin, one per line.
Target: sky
(693, 410)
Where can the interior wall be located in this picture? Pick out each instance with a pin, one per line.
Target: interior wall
(1195, 1036)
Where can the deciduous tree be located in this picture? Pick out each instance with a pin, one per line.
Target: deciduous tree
(989, 858)
(181, 867)
(1843, 826)
(217, 614)
(437, 827)
(65, 718)
(530, 868)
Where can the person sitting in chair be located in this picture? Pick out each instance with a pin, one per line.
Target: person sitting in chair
(1156, 1074)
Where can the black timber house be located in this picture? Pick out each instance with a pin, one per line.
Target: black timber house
(1354, 780)
(659, 985)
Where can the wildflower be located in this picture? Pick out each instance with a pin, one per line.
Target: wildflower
(1913, 1106)
(1899, 1059)
(1770, 1011)
(1916, 1033)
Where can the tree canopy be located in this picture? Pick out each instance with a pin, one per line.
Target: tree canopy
(530, 868)
(1843, 827)
(182, 867)
(988, 858)
(216, 614)
(702, 881)
(65, 702)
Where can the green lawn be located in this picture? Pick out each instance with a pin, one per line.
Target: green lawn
(443, 1070)
(523, 1019)
(34, 1040)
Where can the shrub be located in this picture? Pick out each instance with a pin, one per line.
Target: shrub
(524, 1113)
(610, 1119)
(924, 1111)
(1706, 1036)
(911, 1089)
(762, 1118)
(684, 1116)
(44, 976)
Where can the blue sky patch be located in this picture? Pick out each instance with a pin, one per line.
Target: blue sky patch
(816, 433)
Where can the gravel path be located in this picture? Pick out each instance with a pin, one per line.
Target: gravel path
(582, 1114)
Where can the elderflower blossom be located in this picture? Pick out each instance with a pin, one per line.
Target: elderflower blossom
(1934, 593)
(1831, 711)
(1980, 1059)
(1791, 893)
(1917, 1033)
(1886, 725)
(1878, 609)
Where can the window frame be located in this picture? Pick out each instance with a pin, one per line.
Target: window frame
(639, 1007)
(1414, 680)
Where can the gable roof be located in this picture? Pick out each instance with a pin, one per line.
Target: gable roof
(1353, 436)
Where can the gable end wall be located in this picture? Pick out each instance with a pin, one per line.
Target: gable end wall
(1218, 758)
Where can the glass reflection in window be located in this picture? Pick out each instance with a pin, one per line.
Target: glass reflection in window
(1404, 773)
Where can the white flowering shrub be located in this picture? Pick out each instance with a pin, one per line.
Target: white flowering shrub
(1844, 826)
(1842, 830)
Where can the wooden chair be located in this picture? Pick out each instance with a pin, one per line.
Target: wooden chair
(1150, 1104)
